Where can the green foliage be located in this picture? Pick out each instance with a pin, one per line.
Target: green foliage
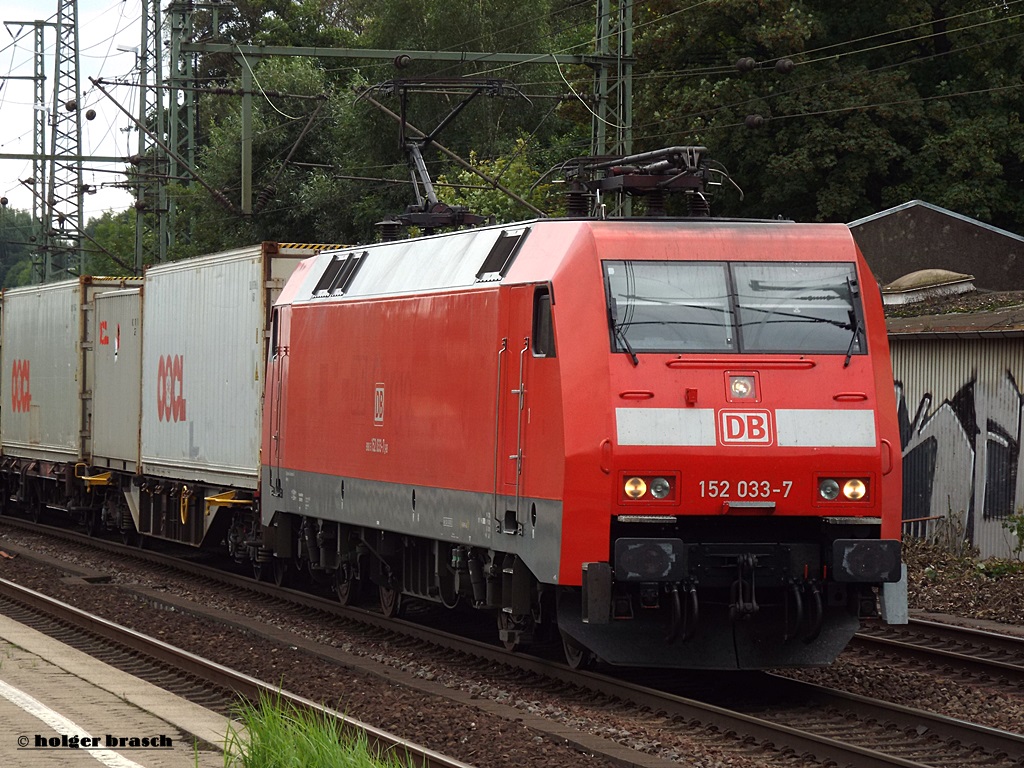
(518, 171)
(1015, 525)
(933, 562)
(294, 157)
(887, 102)
(997, 569)
(277, 734)
(111, 251)
(16, 244)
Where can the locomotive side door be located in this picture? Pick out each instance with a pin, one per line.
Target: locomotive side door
(513, 397)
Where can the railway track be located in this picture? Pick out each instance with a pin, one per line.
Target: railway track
(988, 655)
(821, 724)
(197, 679)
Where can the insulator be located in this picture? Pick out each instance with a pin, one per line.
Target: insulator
(390, 229)
(577, 203)
(264, 197)
(746, 64)
(656, 203)
(697, 205)
(90, 114)
(753, 121)
(784, 66)
(4, 201)
(71, 105)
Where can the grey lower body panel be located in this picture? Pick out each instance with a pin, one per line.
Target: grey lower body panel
(531, 528)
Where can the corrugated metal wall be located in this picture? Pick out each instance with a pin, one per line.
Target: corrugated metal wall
(960, 427)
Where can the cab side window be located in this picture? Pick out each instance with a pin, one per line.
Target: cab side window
(543, 327)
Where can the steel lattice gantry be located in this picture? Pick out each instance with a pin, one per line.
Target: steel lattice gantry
(63, 221)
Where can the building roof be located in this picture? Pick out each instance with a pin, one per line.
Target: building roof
(944, 211)
(974, 315)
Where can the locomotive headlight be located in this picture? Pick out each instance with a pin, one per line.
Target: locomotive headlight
(660, 488)
(635, 487)
(854, 489)
(829, 489)
(741, 387)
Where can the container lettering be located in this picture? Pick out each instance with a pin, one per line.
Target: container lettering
(21, 391)
(170, 400)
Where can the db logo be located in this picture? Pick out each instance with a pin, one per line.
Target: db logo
(170, 404)
(21, 392)
(378, 405)
(745, 427)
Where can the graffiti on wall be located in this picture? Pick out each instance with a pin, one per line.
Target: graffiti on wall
(962, 456)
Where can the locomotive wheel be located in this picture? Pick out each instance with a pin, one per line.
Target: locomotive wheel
(390, 601)
(347, 587)
(576, 656)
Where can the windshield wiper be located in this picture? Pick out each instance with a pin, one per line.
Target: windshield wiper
(620, 334)
(857, 326)
(625, 343)
(857, 330)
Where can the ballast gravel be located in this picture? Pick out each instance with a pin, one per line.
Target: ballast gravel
(473, 736)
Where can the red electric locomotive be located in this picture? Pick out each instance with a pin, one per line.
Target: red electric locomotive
(674, 440)
(670, 442)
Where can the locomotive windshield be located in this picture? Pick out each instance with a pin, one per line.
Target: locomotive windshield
(701, 306)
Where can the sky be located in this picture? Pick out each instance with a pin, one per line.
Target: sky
(104, 26)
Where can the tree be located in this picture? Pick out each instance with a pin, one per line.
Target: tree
(111, 249)
(16, 245)
(886, 102)
(522, 171)
(326, 164)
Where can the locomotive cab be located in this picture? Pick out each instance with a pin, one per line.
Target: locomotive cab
(753, 462)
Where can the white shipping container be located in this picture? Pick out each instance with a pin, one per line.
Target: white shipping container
(46, 380)
(117, 379)
(205, 324)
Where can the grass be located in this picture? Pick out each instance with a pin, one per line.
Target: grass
(277, 734)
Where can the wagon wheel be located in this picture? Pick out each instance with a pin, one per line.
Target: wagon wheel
(34, 506)
(260, 571)
(282, 572)
(506, 621)
(92, 522)
(576, 656)
(390, 601)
